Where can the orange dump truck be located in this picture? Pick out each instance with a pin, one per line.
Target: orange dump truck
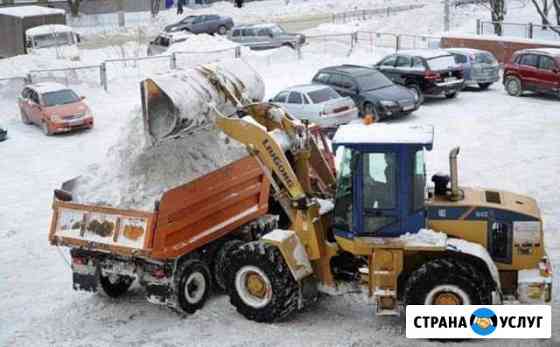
(177, 252)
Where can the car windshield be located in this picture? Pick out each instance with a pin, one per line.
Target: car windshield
(485, 58)
(52, 40)
(277, 29)
(374, 80)
(60, 97)
(322, 95)
(443, 62)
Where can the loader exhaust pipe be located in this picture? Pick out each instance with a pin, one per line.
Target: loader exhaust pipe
(456, 193)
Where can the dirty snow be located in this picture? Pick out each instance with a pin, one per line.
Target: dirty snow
(424, 237)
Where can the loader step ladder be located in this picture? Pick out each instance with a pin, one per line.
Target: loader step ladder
(385, 265)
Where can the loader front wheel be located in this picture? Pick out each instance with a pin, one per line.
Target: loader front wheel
(193, 286)
(447, 282)
(260, 284)
(113, 285)
(222, 261)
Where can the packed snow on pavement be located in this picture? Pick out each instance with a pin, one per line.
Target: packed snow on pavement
(506, 143)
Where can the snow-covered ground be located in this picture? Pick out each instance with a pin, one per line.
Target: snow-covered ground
(507, 143)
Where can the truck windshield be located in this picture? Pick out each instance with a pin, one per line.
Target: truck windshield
(60, 97)
(53, 40)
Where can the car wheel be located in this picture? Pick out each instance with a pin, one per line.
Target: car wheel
(46, 130)
(222, 30)
(369, 109)
(24, 117)
(513, 86)
(451, 95)
(484, 86)
(414, 88)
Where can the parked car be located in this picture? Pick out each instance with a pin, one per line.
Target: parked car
(209, 24)
(3, 134)
(54, 107)
(165, 40)
(372, 92)
(479, 67)
(265, 36)
(318, 104)
(536, 70)
(430, 72)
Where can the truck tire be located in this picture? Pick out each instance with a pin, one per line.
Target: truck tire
(513, 86)
(447, 281)
(193, 285)
(222, 261)
(113, 286)
(260, 284)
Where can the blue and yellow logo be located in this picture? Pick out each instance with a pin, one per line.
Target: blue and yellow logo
(483, 321)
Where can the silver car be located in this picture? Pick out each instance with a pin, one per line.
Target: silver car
(162, 43)
(265, 36)
(479, 67)
(318, 104)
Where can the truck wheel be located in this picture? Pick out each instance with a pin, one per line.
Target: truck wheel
(114, 286)
(222, 261)
(24, 117)
(260, 284)
(415, 89)
(513, 86)
(447, 282)
(193, 286)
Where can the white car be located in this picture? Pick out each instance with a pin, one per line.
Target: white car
(318, 104)
(164, 41)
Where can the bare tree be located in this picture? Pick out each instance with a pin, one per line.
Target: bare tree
(74, 7)
(498, 11)
(540, 7)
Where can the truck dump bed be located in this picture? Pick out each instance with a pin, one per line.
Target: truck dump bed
(189, 216)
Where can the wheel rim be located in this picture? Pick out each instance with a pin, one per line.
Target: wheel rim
(253, 286)
(222, 30)
(447, 295)
(416, 94)
(513, 86)
(195, 287)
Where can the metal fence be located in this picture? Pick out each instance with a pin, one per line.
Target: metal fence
(523, 30)
(349, 16)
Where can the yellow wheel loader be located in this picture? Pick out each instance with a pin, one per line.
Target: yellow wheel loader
(377, 223)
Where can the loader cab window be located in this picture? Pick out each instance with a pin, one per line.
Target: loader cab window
(379, 190)
(345, 161)
(419, 182)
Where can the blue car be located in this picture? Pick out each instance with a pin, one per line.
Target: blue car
(480, 67)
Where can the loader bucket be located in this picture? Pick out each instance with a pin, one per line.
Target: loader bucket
(181, 103)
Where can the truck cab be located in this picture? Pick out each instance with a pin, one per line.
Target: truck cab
(55, 40)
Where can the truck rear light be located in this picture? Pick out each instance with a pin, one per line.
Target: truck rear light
(432, 76)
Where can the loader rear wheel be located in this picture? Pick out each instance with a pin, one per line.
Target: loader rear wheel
(447, 281)
(222, 261)
(194, 285)
(260, 284)
(113, 285)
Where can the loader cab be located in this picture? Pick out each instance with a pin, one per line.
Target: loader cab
(381, 179)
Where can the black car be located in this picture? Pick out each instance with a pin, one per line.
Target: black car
(3, 134)
(372, 92)
(209, 24)
(430, 72)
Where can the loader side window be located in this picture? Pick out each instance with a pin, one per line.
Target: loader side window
(344, 190)
(419, 182)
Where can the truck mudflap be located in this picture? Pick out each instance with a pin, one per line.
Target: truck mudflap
(84, 271)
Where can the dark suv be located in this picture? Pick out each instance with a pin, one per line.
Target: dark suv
(427, 72)
(536, 70)
(372, 92)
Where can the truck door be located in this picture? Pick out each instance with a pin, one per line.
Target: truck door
(379, 194)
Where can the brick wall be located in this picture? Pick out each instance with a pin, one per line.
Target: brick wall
(502, 48)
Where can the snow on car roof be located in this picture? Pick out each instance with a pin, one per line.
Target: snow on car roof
(47, 87)
(257, 25)
(424, 53)
(30, 11)
(465, 50)
(379, 133)
(48, 29)
(176, 35)
(306, 88)
(551, 51)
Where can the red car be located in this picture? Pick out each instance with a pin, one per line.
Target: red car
(54, 107)
(536, 70)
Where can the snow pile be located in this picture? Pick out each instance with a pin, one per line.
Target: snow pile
(135, 175)
(425, 237)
